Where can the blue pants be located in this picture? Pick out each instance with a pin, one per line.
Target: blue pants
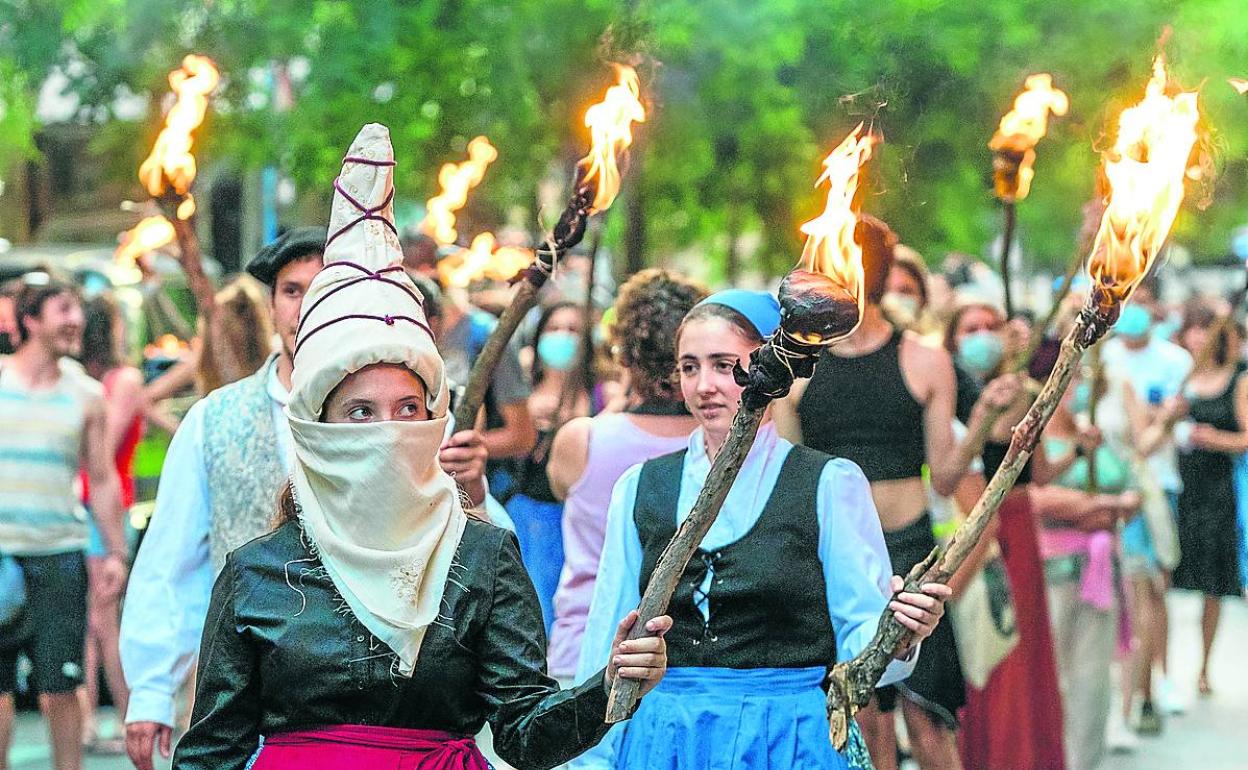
(539, 528)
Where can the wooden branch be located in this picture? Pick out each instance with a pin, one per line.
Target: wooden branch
(524, 300)
(190, 257)
(852, 683)
(1011, 215)
(625, 693)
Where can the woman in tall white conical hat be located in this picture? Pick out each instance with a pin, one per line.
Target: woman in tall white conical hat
(379, 624)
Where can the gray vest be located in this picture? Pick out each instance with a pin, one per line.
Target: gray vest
(245, 473)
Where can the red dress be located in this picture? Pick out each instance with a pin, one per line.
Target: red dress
(1015, 722)
(125, 452)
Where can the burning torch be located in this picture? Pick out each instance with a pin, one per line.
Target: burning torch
(169, 170)
(821, 303)
(1145, 170)
(1014, 155)
(596, 184)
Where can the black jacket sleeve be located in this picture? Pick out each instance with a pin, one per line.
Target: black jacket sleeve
(535, 724)
(225, 722)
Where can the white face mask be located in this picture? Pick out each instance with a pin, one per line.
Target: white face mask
(385, 519)
(902, 308)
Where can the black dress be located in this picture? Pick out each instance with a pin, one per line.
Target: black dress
(1208, 561)
(280, 653)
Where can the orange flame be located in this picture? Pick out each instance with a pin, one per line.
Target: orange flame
(166, 346)
(610, 126)
(148, 235)
(171, 162)
(456, 179)
(1025, 125)
(484, 259)
(830, 246)
(1145, 170)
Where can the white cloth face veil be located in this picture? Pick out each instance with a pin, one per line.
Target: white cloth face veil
(384, 518)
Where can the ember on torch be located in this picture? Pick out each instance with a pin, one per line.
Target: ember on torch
(594, 188)
(821, 302)
(1145, 168)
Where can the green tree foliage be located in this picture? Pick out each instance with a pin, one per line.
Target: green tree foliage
(745, 99)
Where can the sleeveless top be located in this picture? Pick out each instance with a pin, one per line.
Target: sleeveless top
(767, 599)
(245, 474)
(40, 442)
(615, 445)
(125, 452)
(860, 408)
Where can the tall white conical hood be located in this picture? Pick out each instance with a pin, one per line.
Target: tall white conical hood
(384, 518)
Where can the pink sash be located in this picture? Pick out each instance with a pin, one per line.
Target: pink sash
(363, 747)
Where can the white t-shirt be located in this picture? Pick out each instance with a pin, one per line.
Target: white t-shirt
(1155, 372)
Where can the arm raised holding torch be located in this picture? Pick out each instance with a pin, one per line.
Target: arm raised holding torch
(596, 185)
(1145, 170)
(821, 302)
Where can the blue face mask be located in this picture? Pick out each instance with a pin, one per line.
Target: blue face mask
(557, 350)
(979, 353)
(1081, 399)
(1133, 322)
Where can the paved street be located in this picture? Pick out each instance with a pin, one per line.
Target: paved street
(1213, 735)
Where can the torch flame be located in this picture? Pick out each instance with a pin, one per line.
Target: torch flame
(483, 259)
(148, 235)
(1145, 170)
(1025, 125)
(456, 179)
(170, 162)
(830, 247)
(610, 126)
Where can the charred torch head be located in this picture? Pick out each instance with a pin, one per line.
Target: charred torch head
(1014, 144)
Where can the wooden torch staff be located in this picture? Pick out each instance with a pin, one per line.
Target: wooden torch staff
(568, 232)
(1149, 161)
(852, 682)
(596, 185)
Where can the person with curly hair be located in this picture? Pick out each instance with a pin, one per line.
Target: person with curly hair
(589, 454)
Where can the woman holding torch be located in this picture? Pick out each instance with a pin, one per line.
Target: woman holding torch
(788, 579)
(886, 401)
(379, 624)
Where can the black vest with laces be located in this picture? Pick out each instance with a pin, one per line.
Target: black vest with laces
(768, 598)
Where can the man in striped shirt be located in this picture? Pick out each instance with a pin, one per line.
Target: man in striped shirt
(52, 422)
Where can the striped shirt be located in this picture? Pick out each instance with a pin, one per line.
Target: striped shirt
(40, 440)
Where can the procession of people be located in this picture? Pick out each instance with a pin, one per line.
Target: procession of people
(342, 569)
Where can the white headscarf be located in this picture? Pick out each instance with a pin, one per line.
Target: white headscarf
(385, 519)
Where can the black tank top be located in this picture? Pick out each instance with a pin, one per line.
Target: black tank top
(860, 408)
(768, 600)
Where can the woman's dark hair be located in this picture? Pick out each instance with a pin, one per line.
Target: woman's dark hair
(101, 351)
(649, 310)
(878, 242)
(1198, 314)
(576, 373)
(715, 310)
(36, 289)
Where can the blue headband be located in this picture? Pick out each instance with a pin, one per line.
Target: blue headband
(760, 308)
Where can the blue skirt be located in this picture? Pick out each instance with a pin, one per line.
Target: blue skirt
(539, 528)
(722, 718)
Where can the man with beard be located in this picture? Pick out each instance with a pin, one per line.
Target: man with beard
(218, 490)
(52, 423)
